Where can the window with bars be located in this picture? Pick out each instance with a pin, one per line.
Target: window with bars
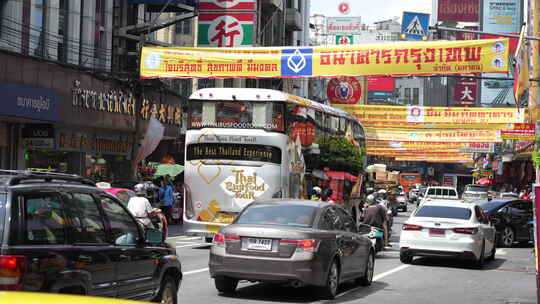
(416, 96)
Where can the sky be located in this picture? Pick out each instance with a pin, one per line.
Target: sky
(371, 10)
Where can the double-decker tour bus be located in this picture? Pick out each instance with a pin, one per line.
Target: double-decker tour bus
(245, 144)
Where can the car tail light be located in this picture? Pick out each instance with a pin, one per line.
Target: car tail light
(11, 271)
(465, 230)
(220, 239)
(411, 227)
(303, 245)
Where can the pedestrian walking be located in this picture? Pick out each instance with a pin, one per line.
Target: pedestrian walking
(166, 198)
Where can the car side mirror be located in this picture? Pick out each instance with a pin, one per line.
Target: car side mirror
(153, 236)
(364, 229)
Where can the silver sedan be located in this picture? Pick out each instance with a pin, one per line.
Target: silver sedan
(292, 242)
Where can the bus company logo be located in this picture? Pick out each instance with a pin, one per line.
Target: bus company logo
(297, 62)
(344, 90)
(244, 186)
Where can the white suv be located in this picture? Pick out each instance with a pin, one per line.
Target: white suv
(439, 193)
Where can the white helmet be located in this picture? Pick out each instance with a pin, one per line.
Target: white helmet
(370, 199)
(382, 191)
(317, 189)
(140, 189)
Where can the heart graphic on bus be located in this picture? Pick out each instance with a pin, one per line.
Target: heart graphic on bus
(210, 180)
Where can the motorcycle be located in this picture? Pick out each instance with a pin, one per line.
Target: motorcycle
(377, 238)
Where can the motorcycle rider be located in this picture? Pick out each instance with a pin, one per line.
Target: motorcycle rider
(376, 215)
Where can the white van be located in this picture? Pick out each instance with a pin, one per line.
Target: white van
(440, 193)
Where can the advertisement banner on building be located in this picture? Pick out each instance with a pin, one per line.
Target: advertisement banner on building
(500, 16)
(233, 5)
(458, 11)
(414, 145)
(343, 25)
(428, 115)
(434, 135)
(346, 90)
(223, 29)
(522, 131)
(466, 92)
(406, 58)
(28, 102)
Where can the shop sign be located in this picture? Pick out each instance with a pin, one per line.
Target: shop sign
(224, 29)
(486, 173)
(343, 25)
(478, 147)
(526, 145)
(344, 90)
(40, 136)
(434, 135)
(458, 11)
(29, 102)
(521, 131)
(93, 143)
(165, 113)
(113, 101)
(3, 135)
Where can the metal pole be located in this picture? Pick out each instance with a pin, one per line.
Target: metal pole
(452, 29)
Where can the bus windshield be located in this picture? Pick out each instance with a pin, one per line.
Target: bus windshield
(236, 114)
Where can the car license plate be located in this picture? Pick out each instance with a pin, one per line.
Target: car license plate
(259, 244)
(436, 232)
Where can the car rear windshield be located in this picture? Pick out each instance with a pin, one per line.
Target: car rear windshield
(444, 212)
(3, 197)
(476, 189)
(266, 214)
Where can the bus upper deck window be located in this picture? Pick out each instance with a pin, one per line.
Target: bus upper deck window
(209, 113)
(195, 114)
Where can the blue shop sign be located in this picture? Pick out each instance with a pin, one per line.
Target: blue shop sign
(29, 102)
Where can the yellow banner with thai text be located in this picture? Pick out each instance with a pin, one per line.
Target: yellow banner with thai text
(435, 117)
(421, 135)
(400, 58)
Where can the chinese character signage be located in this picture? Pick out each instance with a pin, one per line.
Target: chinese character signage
(458, 11)
(465, 92)
(344, 39)
(226, 29)
(410, 58)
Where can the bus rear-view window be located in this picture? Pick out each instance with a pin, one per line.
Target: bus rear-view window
(263, 214)
(215, 151)
(444, 212)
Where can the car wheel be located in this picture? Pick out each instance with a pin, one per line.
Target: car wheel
(367, 278)
(168, 292)
(225, 284)
(507, 237)
(405, 258)
(481, 259)
(329, 291)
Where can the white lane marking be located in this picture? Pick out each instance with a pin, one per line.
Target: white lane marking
(500, 252)
(194, 244)
(185, 238)
(195, 271)
(375, 278)
(389, 272)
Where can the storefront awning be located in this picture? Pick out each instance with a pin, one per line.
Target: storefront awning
(339, 175)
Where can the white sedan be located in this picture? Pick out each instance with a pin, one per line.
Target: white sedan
(448, 229)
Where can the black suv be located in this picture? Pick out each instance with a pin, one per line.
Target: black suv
(60, 233)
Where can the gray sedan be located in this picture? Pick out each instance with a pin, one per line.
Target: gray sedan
(294, 242)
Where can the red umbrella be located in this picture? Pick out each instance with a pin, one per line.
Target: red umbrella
(484, 181)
